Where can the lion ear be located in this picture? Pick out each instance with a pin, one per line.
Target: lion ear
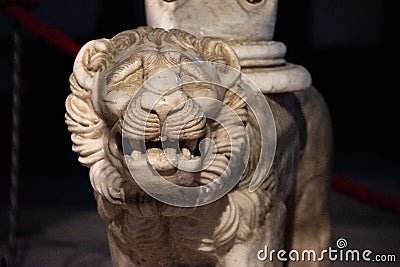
(93, 58)
(223, 56)
(217, 51)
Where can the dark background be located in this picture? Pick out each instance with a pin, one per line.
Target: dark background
(347, 45)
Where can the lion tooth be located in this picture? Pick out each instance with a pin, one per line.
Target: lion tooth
(191, 144)
(186, 152)
(136, 155)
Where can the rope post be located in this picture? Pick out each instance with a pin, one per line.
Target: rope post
(11, 259)
(15, 134)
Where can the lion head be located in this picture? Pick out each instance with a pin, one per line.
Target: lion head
(153, 101)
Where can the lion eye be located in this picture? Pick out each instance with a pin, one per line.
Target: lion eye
(169, 1)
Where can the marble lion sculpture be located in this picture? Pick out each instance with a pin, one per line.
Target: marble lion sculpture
(283, 213)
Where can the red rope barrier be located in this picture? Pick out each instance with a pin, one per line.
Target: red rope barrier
(41, 29)
(364, 194)
(64, 42)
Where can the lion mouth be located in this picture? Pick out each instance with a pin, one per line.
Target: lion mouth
(176, 161)
(164, 155)
(151, 161)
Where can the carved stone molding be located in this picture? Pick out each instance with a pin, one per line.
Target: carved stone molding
(248, 26)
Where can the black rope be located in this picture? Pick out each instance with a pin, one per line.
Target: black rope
(15, 134)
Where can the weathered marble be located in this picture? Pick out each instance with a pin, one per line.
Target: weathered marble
(137, 95)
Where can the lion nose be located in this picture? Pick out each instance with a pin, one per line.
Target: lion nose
(162, 105)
